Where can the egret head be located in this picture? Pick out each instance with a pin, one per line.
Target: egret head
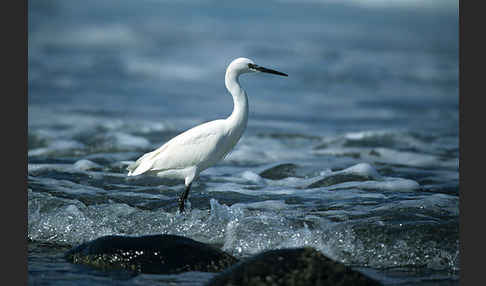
(244, 65)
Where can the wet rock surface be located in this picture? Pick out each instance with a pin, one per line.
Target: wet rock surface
(338, 179)
(154, 254)
(299, 266)
(279, 172)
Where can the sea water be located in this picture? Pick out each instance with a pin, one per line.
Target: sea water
(356, 153)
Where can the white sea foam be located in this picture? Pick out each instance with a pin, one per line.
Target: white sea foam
(85, 165)
(267, 205)
(363, 169)
(249, 151)
(128, 141)
(299, 187)
(390, 156)
(252, 177)
(57, 146)
(406, 158)
(79, 166)
(243, 228)
(390, 185)
(34, 168)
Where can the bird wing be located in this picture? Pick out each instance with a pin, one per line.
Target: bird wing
(202, 143)
(144, 163)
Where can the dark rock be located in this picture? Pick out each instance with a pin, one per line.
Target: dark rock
(337, 179)
(155, 254)
(279, 172)
(374, 153)
(300, 266)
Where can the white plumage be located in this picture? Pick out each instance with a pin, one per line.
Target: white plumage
(193, 151)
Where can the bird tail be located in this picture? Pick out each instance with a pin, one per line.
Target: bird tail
(140, 166)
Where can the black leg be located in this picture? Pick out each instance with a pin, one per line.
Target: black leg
(183, 197)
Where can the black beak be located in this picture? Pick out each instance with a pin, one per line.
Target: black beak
(262, 69)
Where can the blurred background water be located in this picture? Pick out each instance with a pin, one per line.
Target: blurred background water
(355, 153)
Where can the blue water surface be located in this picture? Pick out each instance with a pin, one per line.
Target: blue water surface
(372, 91)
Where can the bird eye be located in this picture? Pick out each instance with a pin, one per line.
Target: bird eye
(252, 66)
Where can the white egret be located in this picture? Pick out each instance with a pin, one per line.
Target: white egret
(191, 152)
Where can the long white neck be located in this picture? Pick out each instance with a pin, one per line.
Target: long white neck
(239, 117)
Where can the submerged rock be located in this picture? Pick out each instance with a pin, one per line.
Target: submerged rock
(155, 254)
(338, 179)
(299, 266)
(279, 172)
(357, 173)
